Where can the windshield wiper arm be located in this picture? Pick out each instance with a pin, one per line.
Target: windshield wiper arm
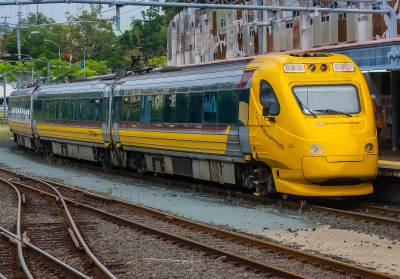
(301, 104)
(334, 111)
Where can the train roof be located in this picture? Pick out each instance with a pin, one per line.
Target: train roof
(266, 61)
(92, 86)
(196, 76)
(22, 92)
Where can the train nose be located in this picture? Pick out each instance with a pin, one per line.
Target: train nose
(323, 168)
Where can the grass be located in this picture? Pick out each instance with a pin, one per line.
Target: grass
(5, 133)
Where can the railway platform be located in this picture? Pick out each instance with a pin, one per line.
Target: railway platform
(389, 163)
(387, 183)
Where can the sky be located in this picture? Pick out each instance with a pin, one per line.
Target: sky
(9, 89)
(57, 12)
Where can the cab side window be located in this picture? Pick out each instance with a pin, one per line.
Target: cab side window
(268, 98)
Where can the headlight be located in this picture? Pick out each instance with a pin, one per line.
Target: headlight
(316, 149)
(369, 148)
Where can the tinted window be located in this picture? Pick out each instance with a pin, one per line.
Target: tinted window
(268, 98)
(195, 108)
(169, 108)
(145, 109)
(228, 105)
(130, 108)
(182, 108)
(157, 108)
(210, 107)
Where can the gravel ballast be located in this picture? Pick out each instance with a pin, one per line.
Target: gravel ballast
(363, 248)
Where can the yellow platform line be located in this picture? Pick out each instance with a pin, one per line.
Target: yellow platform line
(388, 162)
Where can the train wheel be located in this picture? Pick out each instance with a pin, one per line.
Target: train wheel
(264, 180)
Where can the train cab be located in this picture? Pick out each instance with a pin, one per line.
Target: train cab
(311, 121)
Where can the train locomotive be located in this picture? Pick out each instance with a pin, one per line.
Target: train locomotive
(299, 124)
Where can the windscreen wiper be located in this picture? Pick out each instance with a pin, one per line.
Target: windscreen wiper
(302, 105)
(333, 111)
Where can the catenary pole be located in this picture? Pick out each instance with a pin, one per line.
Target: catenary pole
(5, 94)
(19, 35)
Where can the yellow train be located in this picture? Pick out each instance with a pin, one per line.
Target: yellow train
(299, 124)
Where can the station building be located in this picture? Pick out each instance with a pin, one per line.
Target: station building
(203, 35)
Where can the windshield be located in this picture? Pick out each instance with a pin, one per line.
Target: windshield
(327, 99)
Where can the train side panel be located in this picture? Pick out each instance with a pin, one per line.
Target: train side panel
(183, 125)
(71, 120)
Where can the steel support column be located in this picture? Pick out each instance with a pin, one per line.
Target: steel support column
(395, 91)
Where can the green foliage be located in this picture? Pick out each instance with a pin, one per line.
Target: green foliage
(32, 38)
(7, 68)
(86, 73)
(93, 37)
(60, 71)
(148, 34)
(37, 18)
(157, 62)
(100, 67)
(86, 35)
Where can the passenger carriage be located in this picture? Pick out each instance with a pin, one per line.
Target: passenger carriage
(183, 122)
(70, 119)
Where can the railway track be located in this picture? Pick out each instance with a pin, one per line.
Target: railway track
(380, 211)
(45, 225)
(265, 256)
(8, 260)
(359, 211)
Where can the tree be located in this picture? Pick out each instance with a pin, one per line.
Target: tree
(148, 34)
(34, 30)
(86, 34)
(93, 37)
(7, 68)
(157, 62)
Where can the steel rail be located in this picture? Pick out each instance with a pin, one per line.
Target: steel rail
(237, 236)
(311, 207)
(71, 222)
(212, 230)
(364, 217)
(19, 244)
(382, 209)
(71, 271)
(230, 256)
(233, 235)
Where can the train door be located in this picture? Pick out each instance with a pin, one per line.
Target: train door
(266, 137)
